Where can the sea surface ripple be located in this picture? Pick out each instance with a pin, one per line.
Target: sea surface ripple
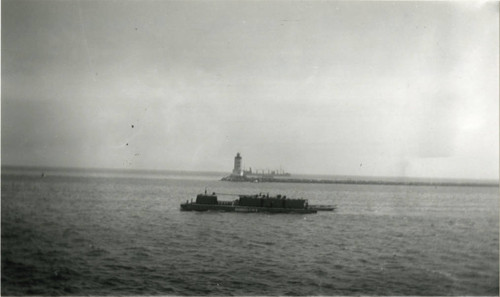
(82, 234)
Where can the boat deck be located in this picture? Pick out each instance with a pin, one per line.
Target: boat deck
(323, 207)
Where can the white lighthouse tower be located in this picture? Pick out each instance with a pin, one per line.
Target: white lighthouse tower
(237, 165)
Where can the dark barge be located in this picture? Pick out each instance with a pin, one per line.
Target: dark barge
(254, 203)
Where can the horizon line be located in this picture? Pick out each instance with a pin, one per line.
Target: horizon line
(359, 177)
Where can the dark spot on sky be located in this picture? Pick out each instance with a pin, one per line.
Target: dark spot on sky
(132, 126)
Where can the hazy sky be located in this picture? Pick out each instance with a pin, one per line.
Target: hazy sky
(349, 88)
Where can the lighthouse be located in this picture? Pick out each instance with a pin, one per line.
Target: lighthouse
(237, 165)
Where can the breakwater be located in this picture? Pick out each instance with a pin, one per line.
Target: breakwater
(261, 179)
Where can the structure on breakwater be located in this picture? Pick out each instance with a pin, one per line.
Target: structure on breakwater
(241, 175)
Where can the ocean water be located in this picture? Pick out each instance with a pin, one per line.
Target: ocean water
(118, 233)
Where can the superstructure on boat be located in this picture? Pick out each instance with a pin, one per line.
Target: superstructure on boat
(254, 203)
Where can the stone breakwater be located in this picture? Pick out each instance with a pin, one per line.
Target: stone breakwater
(261, 179)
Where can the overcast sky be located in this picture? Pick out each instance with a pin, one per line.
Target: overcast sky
(347, 88)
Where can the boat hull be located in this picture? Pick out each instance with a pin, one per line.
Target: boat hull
(240, 208)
